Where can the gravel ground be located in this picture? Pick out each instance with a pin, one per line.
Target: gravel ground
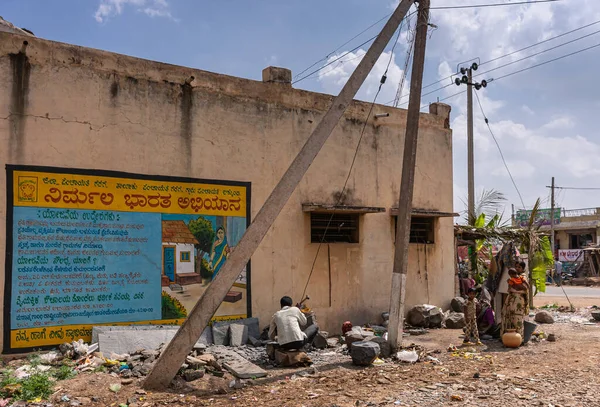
(561, 373)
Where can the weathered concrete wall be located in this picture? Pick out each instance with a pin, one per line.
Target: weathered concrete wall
(67, 106)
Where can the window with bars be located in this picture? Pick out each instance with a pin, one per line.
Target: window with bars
(334, 228)
(422, 229)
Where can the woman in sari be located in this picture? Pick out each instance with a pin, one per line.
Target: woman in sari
(220, 251)
(515, 306)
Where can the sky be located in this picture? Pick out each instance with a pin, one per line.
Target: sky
(544, 119)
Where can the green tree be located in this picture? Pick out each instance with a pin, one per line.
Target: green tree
(204, 233)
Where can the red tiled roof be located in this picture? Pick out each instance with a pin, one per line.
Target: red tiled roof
(176, 231)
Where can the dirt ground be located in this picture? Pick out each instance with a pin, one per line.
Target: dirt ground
(561, 373)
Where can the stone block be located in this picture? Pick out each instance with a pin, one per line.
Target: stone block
(238, 335)
(351, 338)
(320, 341)
(455, 320)
(385, 348)
(220, 334)
(364, 353)
(426, 316)
(457, 304)
(544, 317)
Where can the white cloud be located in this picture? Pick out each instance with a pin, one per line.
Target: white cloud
(152, 8)
(333, 77)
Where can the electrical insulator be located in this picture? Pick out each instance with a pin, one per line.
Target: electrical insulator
(457, 81)
(474, 66)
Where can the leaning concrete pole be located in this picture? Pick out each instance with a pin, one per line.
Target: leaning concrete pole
(409, 159)
(182, 343)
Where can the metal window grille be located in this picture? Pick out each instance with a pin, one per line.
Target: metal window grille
(343, 228)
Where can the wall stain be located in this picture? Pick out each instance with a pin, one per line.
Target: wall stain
(186, 123)
(21, 72)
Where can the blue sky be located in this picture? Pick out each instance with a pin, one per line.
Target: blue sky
(544, 119)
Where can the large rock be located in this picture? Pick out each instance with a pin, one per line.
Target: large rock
(385, 348)
(544, 317)
(320, 341)
(364, 353)
(456, 320)
(457, 304)
(351, 338)
(426, 316)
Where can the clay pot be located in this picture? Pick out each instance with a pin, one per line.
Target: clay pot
(511, 339)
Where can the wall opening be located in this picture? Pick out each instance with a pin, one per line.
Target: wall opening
(334, 227)
(422, 229)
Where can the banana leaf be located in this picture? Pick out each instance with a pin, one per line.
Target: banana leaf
(542, 260)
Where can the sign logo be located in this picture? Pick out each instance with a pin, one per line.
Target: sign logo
(28, 189)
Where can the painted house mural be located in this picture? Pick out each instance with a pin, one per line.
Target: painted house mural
(178, 254)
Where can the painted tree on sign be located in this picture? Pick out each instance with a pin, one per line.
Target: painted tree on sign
(203, 231)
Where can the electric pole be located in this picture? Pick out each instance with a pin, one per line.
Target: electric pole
(552, 216)
(178, 349)
(467, 78)
(398, 294)
(470, 153)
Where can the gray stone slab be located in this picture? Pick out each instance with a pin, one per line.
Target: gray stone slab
(121, 342)
(220, 334)
(251, 323)
(133, 338)
(238, 334)
(237, 365)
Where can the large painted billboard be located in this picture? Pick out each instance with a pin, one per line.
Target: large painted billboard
(88, 247)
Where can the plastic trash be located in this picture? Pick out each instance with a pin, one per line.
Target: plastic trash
(407, 356)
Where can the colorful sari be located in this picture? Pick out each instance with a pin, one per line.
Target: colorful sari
(514, 311)
(221, 252)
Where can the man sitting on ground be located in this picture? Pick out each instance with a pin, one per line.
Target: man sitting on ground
(286, 326)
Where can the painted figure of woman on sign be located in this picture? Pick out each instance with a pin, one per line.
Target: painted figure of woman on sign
(220, 251)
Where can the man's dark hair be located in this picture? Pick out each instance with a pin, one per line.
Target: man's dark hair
(286, 301)
(522, 264)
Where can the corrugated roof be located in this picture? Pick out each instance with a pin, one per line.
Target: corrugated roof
(176, 231)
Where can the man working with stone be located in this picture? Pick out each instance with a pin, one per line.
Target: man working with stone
(286, 326)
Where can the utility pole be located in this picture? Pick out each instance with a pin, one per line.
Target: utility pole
(467, 78)
(180, 346)
(470, 153)
(512, 217)
(552, 204)
(396, 327)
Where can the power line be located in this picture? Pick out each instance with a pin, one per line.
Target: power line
(578, 188)
(499, 149)
(547, 62)
(492, 5)
(346, 53)
(512, 53)
(335, 60)
(527, 69)
(538, 53)
(346, 43)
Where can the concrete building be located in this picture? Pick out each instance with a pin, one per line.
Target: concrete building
(71, 107)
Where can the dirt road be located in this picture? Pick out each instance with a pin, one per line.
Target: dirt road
(561, 373)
